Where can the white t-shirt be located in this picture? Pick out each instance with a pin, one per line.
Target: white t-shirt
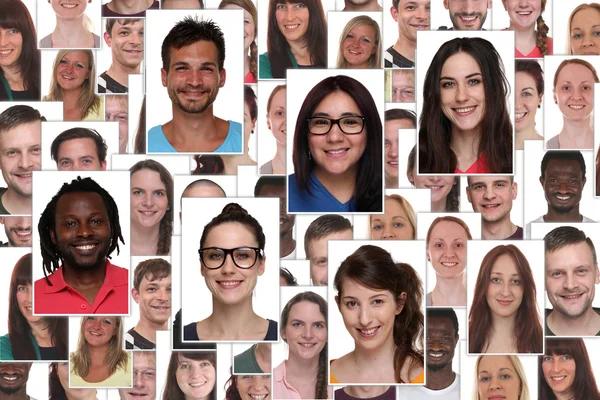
(541, 219)
(452, 392)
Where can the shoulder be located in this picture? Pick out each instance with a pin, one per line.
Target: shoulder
(271, 330)
(157, 142)
(415, 374)
(47, 41)
(190, 332)
(264, 67)
(5, 348)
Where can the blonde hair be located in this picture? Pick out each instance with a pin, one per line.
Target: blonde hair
(520, 371)
(116, 357)
(88, 101)
(580, 7)
(249, 6)
(408, 210)
(375, 58)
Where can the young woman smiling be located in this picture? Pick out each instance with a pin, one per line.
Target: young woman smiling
(276, 106)
(248, 387)
(583, 38)
(231, 260)
(529, 83)
(399, 220)
(304, 328)
(151, 209)
(380, 303)
(504, 316)
(501, 377)
(574, 94)
(191, 376)
(525, 17)
(58, 385)
(360, 44)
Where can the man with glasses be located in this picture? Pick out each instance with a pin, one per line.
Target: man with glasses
(403, 86)
(144, 377)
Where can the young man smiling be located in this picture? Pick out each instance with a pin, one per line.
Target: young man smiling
(411, 16)
(18, 231)
(79, 149)
(152, 291)
(125, 37)
(467, 15)
(13, 381)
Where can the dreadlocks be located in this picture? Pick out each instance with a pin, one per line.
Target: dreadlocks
(51, 258)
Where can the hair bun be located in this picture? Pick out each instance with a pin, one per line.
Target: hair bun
(233, 208)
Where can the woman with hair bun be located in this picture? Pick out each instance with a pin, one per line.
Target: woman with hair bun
(380, 302)
(232, 257)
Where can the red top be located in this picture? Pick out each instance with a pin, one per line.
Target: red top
(60, 298)
(479, 167)
(249, 78)
(536, 52)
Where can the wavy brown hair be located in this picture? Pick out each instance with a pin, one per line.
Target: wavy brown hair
(373, 267)
(172, 390)
(528, 334)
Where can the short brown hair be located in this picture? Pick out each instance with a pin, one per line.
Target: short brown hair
(154, 268)
(110, 23)
(563, 236)
(323, 226)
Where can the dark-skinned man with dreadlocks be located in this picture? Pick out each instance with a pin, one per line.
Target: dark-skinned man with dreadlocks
(79, 230)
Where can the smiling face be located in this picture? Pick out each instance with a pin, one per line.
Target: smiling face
(391, 144)
(144, 379)
(527, 100)
(439, 186)
(571, 279)
(336, 152)
(293, 20)
(317, 255)
(11, 46)
(13, 378)
(194, 79)
(72, 70)
(505, 290)
(585, 32)
(467, 15)
(523, 14)
(559, 373)
(276, 117)
(230, 284)
(492, 196)
(20, 155)
(98, 331)
(403, 87)
(358, 46)
(462, 92)
(196, 378)
(497, 377)
(574, 92)
(79, 154)
(126, 43)
(24, 302)
(306, 330)
(253, 387)
(441, 343)
(393, 224)
(154, 298)
(563, 184)
(69, 9)
(249, 26)
(149, 198)
(368, 314)
(18, 230)
(447, 249)
(82, 230)
(411, 16)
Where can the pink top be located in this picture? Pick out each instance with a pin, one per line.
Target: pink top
(282, 388)
(249, 78)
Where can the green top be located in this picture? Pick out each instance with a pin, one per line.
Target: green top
(245, 363)
(264, 66)
(6, 348)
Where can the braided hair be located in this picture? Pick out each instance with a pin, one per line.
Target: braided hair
(50, 256)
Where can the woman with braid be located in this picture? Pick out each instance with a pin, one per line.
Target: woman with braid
(304, 328)
(531, 32)
(151, 209)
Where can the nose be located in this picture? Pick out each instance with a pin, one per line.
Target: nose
(434, 344)
(495, 383)
(393, 151)
(462, 94)
(555, 365)
(148, 199)
(468, 7)
(388, 233)
(588, 41)
(570, 282)
(489, 193)
(307, 332)
(194, 77)
(365, 316)
(164, 295)
(506, 289)
(3, 37)
(422, 13)
(335, 134)
(563, 187)
(25, 161)
(136, 39)
(138, 382)
(228, 267)
(95, 323)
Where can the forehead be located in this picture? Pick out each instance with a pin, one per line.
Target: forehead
(86, 144)
(201, 51)
(279, 98)
(575, 73)
(80, 202)
(400, 77)
(524, 79)
(487, 180)
(448, 230)
(116, 103)
(494, 363)
(77, 56)
(146, 177)
(586, 18)
(305, 310)
(564, 166)
(363, 29)
(322, 241)
(22, 135)
(403, 3)
(337, 102)
(442, 324)
(203, 190)
(93, 319)
(226, 230)
(137, 25)
(144, 360)
(571, 255)
(272, 191)
(149, 278)
(391, 127)
(352, 288)
(505, 265)
(460, 64)
(392, 207)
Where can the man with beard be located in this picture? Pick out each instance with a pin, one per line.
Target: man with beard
(13, 381)
(442, 337)
(18, 231)
(492, 196)
(274, 186)
(193, 54)
(79, 230)
(571, 275)
(563, 179)
(20, 155)
(466, 15)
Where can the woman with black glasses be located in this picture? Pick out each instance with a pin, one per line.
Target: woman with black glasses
(232, 257)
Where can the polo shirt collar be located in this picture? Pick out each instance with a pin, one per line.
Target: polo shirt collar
(58, 280)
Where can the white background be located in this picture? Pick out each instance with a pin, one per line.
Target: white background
(135, 99)
(198, 213)
(230, 101)
(534, 253)
(267, 146)
(501, 19)
(407, 138)
(562, 12)
(299, 268)
(47, 21)
(336, 22)
(50, 130)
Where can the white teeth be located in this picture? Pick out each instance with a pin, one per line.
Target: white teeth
(148, 213)
(520, 116)
(573, 296)
(258, 397)
(69, 5)
(5, 52)
(307, 344)
(558, 378)
(67, 77)
(447, 264)
(230, 283)
(434, 187)
(491, 205)
(23, 233)
(197, 384)
(95, 334)
(576, 107)
(10, 378)
(524, 12)
(436, 355)
(465, 110)
(336, 151)
(292, 26)
(88, 247)
(393, 163)
(368, 331)
(563, 197)
(468, 19)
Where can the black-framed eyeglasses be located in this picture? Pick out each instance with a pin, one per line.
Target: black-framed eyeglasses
(242, 257)
(348, 125)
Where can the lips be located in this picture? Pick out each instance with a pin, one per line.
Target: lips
(307, 345)
(291, 27)
(96, 334)
(490, 206)
(197, 384)
(571, 297)
(22, 233)
(436, 354)
(67, 77)
(464, 111)
(69, 6)
(368, 333)
(563, 197)
(137, 395)
(504, 303)
(576, 107)
(420, 27)
(336, 153)
(6, 52)
(449, 264)
(559, 378)
(24, 175)
(148, 213)
(519, 117)
(258, 396)
(229, 284)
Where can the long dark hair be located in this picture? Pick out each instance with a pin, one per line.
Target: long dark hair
(14, 14)
(373, 267)
(311, 297)
(172, 390)
(584, 385)
(19, 330)
(166, 223)
(57, 392)
(435, 133)
(527, 333)
(278, 48)
(367, 185)
(139, 145)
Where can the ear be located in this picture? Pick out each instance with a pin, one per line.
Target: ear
(515, 189)
(584, 180)
(554, 97)
(52, 237)
(394, 13)
(268, 122)
(163, 76)
(2, 220)
(103, 166)
(136, 295)
(411, 177)
(400, 303)
(222, 77)
(446, 6)
(202, 269)
(337, 301)
(428, 256)
(261, 266)
(253, 124)
(108, 39)
(282, 334)
(542, 181)
(468, 194)
(597, 280)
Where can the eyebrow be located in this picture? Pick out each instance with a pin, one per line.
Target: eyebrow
(345, 114)
(314, 322)
(502, 274)
(370, 298)
(187, 64)
(93, 214)
(528, 87)
(501, 369)
(466, 77)
(580, 29)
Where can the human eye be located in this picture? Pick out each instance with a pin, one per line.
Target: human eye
(151, 289)
(576, 36)
(281, 6)
(296, 324)
(320, 121)
(124, 33)
(398, 225)
(149, 374)
(378, 302)
(567, 358)
(377, 227)
(501, 184)
(516, 281)
(438, 245)
(319, 325)
(495, 280)
(137, 192)
(63, 61)
(160, 193)
(351, 304)
(350, 36)
(13, 31)
(565, 88)
(96, 221)
(555, 274)
(299, 5)
(474, 81)
(183, 365)
(484, 378)
(107, 321)
(596, 33)
(21, 288)
(410, 7)
(366, 40)
(447, 85)
(215, 255)
(351, 121)
(279, 113)
(505, 376)
(459, 245)
(70, 224)
(322, 261)
(581, 271)
(477, 186)
(587, 87)
(205, 364)
(80, 65)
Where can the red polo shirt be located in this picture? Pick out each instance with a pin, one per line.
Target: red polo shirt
(60, 298)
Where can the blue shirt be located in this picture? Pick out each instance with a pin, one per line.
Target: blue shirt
(158, 143)
(320, 200)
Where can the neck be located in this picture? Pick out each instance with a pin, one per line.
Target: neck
(21, 394)
(83, 278)
(440, 379)
(287, 244)
(524, 37)
(465, 142)
(391, 182)
(12, 73)
(299, 48)
(71, 31)
(341, 186)
(187, 126)
(406, 47)
(144, 238)
(502, 327)
(120, 73)
(438, 206)
(148, 328)
(365, 392)
(15, 203)
(370, 6)
(40, 331)
(579, 134)
(130, 6)
(70, 97)
(378, 359)
(499, 230)
(572, 215)
(565, 326)
(232, 320)
(262, 352)
(525, 134)
(302, 367)
(98, 354)
(279, 161)
(246, 63)
(451, 291)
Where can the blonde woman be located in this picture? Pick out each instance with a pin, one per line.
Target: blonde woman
(360, 44)
(398, 222)
(582, 36)
(73, 28)
(73, 82)
(99, 360)
(500, 374)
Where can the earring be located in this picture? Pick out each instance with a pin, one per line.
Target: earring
(539, 106)
(252, 131)
(309, 155)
